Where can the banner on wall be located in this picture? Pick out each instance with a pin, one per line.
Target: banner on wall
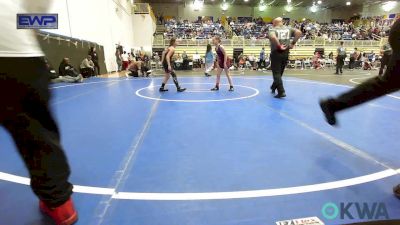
(168, 18)
(267, 19)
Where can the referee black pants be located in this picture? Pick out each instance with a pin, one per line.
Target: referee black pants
(372, 88)
(25, 113)
(279, 62)
(384, 62)
(339, 64)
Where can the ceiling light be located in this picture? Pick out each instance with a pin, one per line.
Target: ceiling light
(388, 6)
(224, 6)
(288, 8)
(246, 0)
(198, 5)
(313, 8)
(348, 3)
(289, 1)
(319, 2)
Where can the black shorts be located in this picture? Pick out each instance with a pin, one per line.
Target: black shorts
(165, 66)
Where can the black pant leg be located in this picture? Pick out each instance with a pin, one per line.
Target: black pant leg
(337, 64)
(275, 69)
(384, 61)
(278, 63)
(97, 66)
(341, 64)
(372, 88)
(27, 117)
(351, 63)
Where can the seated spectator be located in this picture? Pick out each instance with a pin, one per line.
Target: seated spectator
(67, 73)
(125, 60)
(316, 61)
(252, 61)
(367, 65)
(138, 67)
(185, 59)
(87, 67)
(330, 55)
(359, 59)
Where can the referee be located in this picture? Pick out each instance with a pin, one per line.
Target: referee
(279, 37)
(370, 89)
(341, 56)
(25, 112)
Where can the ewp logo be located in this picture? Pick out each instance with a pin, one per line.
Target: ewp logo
(355, 210)
(37, 21)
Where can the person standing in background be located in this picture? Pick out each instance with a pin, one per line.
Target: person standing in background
(261, 62)
(118, 59)
(209, 61)
(386, 53)
(279, 37)
(353, 57)
(185, 62)
(95, 59)
(341, 56)
(25, 112)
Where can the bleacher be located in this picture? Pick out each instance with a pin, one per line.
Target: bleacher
(304, 48)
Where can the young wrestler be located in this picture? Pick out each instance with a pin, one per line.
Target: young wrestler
(167, 64)
(222, 63)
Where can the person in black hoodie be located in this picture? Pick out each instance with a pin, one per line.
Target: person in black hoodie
(95, 59)
(371, 89)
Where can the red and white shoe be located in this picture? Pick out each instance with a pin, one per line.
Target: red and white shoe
(64, 214)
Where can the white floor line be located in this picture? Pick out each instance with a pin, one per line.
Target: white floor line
(127, 163)
(219, 195)
(255, 193)
(93, 190)
(256, 92)
(14, 178)
(198, 90)
(343, 145)
(97, 82)
(84, 93)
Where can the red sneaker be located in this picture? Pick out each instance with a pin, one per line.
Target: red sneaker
(64, 214)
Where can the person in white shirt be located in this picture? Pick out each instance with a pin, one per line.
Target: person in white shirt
(87, 67)
(26, 114)
(125, 60)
